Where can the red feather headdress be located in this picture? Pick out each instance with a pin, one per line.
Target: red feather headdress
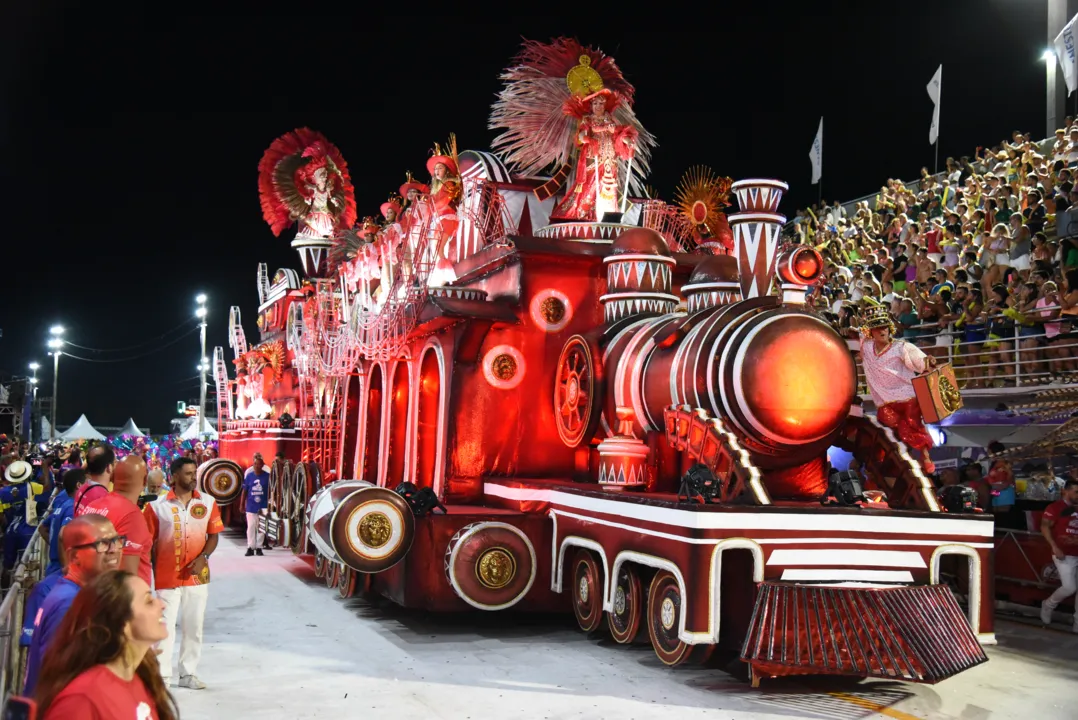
(286, 170)
(530, 110)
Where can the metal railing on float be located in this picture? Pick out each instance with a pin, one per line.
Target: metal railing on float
(27, 572)
(1007, 361)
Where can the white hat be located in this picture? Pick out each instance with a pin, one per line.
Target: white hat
(19, 472)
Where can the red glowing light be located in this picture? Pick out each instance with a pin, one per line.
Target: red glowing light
(807, 264)
(800, 381)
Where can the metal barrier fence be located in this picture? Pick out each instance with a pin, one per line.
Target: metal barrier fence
(27, 572)
(1023, 357)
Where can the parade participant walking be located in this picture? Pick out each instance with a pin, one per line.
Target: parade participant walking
(92, 547)
(100, 462)
(1059, 526)
(184, 525)
(18, 500)
(256, 484)
(103, 665)
(890, 366)
(121, 507)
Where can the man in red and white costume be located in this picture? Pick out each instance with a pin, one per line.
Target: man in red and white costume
(890, 366)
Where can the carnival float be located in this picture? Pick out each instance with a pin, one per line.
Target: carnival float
(531, 385)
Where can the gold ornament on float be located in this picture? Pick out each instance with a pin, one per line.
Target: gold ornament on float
(496, 568)
(375, 530)
(552, 310)
(702, 195)
(583, 79)
(504, 367)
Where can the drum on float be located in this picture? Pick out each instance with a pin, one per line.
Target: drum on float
(490, 565)
(370, 530)
(221, 479)
(319, 514)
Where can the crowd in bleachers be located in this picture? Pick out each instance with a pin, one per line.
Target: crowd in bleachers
(970, 261)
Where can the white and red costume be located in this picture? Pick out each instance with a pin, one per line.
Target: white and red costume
(890, 382)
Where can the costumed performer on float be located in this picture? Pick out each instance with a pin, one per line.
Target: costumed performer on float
(890, 365)
(602, 142)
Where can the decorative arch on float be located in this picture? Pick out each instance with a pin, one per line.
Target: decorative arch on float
(350, 459)
(370, 465)
(396, 421)
(431, 389)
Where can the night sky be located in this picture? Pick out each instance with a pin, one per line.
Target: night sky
(130, 141)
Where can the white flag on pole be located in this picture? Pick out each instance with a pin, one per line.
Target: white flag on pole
(1068, 60)
(934, 93)
(816, 155)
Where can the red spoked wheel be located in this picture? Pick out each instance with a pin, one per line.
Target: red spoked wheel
(665, 606)
(587, 582)
(319, 565)
(577, 392)
(333, 571)
(346, 582)
(624, 619)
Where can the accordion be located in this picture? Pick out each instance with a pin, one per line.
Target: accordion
(937, 393)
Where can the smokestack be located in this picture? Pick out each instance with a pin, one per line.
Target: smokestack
(756, 233)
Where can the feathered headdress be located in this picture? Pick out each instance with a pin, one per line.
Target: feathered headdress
(346, 246)
(530, 111)
(285, 171)
(702, 195)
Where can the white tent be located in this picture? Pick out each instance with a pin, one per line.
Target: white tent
(81, 430)
(131, 429)
(191, 433)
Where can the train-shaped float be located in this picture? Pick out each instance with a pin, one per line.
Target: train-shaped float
(529, 387)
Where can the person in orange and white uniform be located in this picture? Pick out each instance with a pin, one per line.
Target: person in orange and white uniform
(185, 526)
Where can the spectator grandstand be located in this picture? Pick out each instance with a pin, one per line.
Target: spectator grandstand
(978, 263)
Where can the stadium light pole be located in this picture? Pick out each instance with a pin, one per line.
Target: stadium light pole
(56, 343)
(203, 364)
(34, 367)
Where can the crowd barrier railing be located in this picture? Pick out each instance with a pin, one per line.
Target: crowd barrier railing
(27, 572)
(999, 364)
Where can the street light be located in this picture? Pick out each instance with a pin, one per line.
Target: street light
(1048, 55)
(34, 367)
(204, 365)
(55, 343)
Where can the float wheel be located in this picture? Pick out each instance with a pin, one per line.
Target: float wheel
(319, 565)
(587, 591)
(346, 582)
(332, 573)
(624, 619)
(665, 606)
(577, 389)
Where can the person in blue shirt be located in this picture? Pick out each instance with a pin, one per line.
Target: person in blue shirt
(33, 603)
(92, 547)
(63, 510)
(21, 514)
(256, 484)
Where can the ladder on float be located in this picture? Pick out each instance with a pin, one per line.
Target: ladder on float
(236, 338)
(224, 387)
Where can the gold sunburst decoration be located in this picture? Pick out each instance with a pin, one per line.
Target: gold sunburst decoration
(702, 195)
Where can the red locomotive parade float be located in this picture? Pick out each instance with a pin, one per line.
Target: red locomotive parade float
(527, 388)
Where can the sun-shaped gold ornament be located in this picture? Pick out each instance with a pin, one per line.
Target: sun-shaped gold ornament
(702, 195)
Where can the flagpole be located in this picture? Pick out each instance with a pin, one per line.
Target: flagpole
(937, 170)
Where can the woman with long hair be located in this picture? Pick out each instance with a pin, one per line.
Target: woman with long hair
(101, 663)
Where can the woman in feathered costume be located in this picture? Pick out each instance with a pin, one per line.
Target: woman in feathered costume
(568, 108)
(602, 142)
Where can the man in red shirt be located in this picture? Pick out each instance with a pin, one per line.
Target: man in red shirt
(121, 507)
(1059, 525)
(100, 462)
